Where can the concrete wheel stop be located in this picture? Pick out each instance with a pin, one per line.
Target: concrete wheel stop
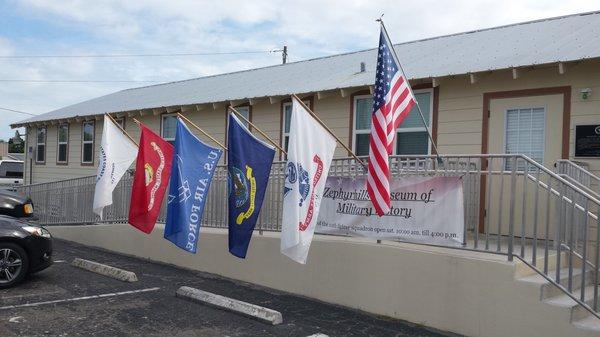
(257, 312)
(106, 270)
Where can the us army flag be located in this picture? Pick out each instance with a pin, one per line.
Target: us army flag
(310, 151)
(117, 153)
(249, 164)
(194, 164)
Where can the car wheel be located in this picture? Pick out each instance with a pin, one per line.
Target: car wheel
(13, 264)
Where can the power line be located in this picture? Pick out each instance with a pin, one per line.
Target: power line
(283, 51)
(78, 81)
(17, 111)
(139, 55)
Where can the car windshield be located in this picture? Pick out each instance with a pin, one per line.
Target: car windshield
(11, 170)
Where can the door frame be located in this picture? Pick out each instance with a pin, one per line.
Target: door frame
(488, 97)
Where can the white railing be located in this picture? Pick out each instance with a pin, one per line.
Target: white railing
(513, 206)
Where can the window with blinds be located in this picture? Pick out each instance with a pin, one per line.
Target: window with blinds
(525, 130)
(87, 142)
(244, 111)
(412, 135)
(62, 146)
(168, 127)
(363, 107)
(287, 120)
(40, 151)
(411, 138)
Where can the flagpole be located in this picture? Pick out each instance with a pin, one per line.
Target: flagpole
(203, 132)
(380, 20)
(328, 130)
(122, 130)
(257, 129)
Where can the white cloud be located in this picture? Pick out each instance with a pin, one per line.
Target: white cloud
(310, 28)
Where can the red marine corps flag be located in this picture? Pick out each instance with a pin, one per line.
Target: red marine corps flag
(152, 172)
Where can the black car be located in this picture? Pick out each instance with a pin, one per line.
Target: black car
(25, 247)
(15, 204)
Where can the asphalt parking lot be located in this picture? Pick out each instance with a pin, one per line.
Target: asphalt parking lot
(63, 301)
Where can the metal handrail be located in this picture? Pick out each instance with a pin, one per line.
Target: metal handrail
(581, 186)
(578, 166)
(561, 179)
(526, 207)
(575, 171)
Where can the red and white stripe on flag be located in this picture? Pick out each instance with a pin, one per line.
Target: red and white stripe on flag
(392, 102)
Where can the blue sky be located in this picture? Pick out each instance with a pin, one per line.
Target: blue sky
(310, 28)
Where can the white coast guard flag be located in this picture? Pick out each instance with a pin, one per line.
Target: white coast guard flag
(310, 151)
(117, 152)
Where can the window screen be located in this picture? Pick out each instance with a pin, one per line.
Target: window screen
(244, 111)
(525, 129)
(62, 145)
(87, 148)
(169, 127)
(40, 156)
(411, 138)
(362, 125)
(287, 120)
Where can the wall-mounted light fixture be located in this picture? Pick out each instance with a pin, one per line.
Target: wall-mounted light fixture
(586, 93)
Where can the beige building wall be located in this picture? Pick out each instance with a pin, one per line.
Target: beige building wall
(50, 170)
(460, 115)
(3, 148)
(461, 104)
(461, 118)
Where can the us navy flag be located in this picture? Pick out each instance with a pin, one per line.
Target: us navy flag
(249, 164)
(192, 171)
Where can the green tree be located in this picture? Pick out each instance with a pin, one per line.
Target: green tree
(16, 147)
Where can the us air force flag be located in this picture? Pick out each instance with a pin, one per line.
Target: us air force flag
(193, 166)
(249, 164)
(117, 153)
(310, 151)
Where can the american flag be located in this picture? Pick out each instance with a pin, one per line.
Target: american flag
(392, 101)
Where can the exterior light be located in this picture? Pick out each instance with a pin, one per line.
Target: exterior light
(586, 93)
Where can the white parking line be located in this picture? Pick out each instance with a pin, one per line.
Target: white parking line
(59, 261)
(36, 304)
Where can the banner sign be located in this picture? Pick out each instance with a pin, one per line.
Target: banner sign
(423, 209)
(587, 141)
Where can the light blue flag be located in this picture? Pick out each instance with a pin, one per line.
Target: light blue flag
(194, 164)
